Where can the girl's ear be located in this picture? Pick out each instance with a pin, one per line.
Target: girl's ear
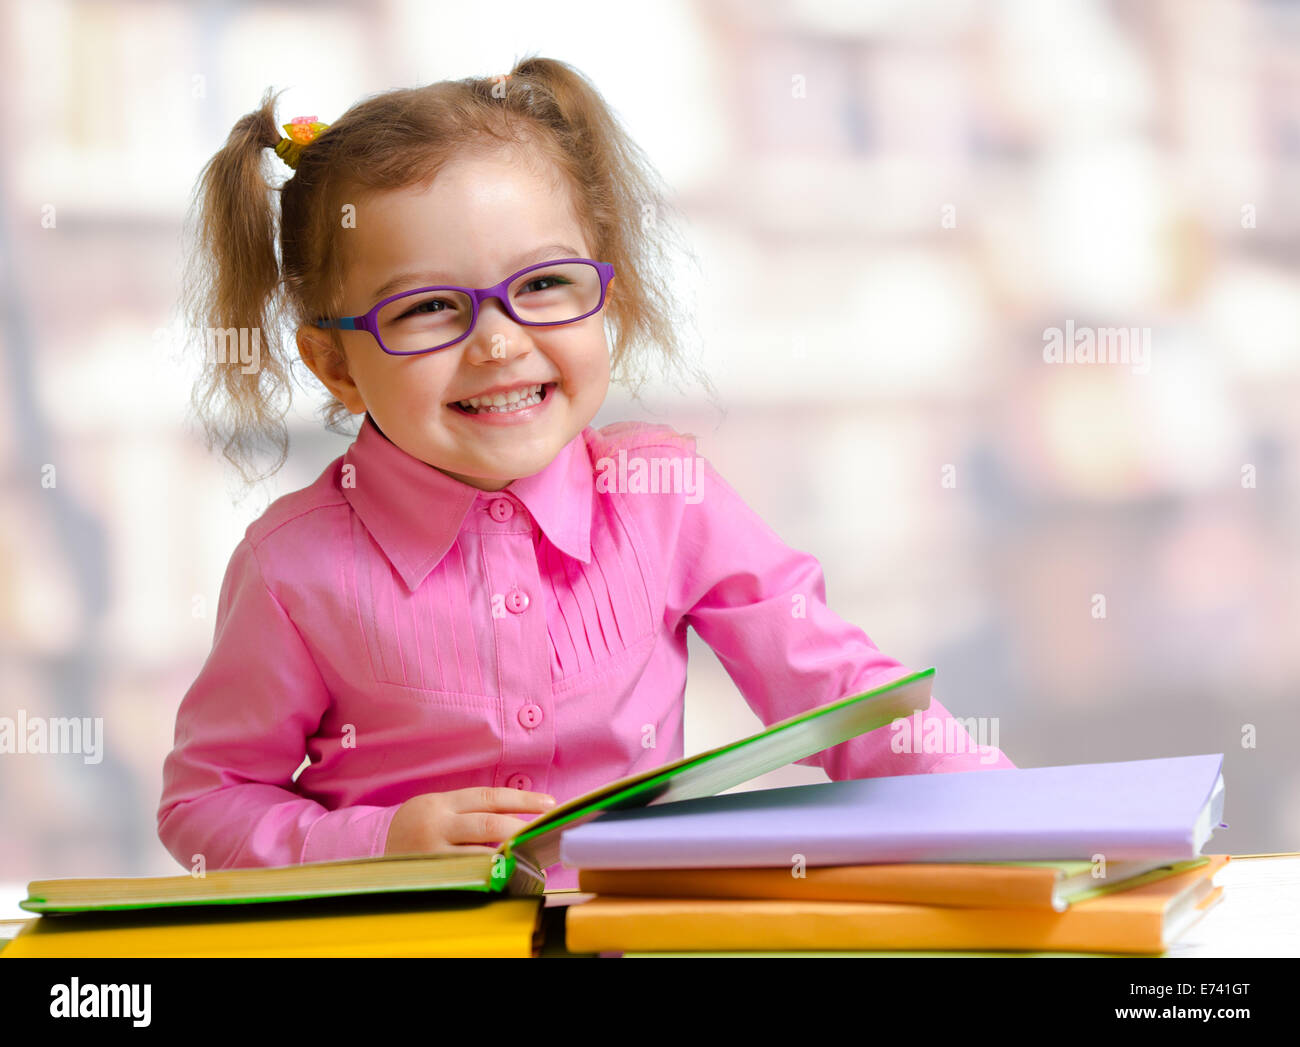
(322, 358)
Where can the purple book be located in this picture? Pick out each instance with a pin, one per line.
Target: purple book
(1137, 809)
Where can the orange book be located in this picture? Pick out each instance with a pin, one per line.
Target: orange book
(989, 885)
(1144, 920)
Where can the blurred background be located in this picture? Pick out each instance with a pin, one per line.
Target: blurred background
(892, 205)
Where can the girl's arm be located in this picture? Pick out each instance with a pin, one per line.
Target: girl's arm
(241, 732)
(761, 606)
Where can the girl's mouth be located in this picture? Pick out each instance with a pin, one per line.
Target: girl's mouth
(522, 408)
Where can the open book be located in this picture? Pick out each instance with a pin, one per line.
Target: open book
(516, 865)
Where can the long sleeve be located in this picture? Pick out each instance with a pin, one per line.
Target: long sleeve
(761, 606)
(241, 732)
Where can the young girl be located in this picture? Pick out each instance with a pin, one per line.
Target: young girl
(481, 607)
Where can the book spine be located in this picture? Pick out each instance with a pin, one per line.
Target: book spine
(524, 877)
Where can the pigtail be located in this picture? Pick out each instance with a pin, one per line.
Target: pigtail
(232, 297)
(632, 216)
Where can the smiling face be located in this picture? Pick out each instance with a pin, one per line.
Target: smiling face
(484, 217)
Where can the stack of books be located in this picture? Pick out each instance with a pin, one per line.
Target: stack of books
(740, 874)
(1092, 858)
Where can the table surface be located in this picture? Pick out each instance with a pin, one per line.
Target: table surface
(1258, 916)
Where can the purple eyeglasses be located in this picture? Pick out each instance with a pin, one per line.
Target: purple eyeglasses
(432, 318)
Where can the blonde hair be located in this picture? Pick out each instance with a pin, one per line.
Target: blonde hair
(235, 279)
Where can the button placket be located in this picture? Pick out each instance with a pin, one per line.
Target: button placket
(523, 651)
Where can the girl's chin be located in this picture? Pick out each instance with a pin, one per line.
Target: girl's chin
(500, 477)
(483, 483)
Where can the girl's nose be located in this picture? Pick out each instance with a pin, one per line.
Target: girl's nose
(496, 336)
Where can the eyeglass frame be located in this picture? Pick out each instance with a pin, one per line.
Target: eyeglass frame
(477, 295)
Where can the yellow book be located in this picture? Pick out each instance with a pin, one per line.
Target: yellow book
(463, 925)
(1143, 920)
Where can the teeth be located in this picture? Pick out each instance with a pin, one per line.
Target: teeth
(514, 400)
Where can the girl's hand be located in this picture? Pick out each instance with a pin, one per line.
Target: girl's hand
(461, 820)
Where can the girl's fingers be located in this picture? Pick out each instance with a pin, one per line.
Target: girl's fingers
(488, 798)
(483, 828)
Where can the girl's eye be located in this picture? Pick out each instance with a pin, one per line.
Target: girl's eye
(542, 280)
(426, 307)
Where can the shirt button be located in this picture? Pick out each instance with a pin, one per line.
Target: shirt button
(501, 510)
(530, 715)
(516, 601)
(519, 781)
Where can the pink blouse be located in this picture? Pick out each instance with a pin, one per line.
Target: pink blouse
(410, 633)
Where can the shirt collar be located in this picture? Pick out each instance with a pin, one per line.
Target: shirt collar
(414, 512)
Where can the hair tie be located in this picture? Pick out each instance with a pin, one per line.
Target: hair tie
(302, 131)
